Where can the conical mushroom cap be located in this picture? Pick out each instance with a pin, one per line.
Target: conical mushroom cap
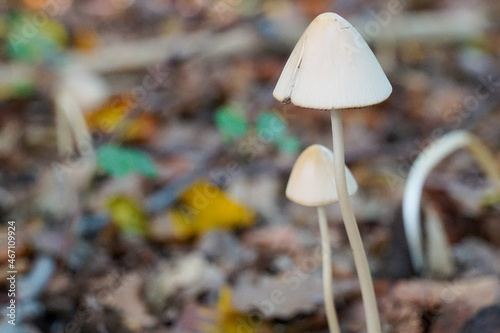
(312, 181)
(332, 67)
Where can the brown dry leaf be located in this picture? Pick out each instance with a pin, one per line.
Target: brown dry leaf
(446, 305)
(278, 297)
(476, 294)
(261, 193)
(193, 317)
(185, 278)
(275, 239)
(127, 299)
(487, 320)
(284, 296)
(160, 229)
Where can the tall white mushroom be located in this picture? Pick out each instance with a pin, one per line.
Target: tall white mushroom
(332, 68)
(311, 184)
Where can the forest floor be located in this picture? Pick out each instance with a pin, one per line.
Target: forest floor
(165, 210)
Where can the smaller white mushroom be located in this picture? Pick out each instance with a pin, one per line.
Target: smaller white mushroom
(312, 183)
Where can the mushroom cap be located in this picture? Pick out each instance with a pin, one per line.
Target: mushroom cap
(312, 181)
(332, 67)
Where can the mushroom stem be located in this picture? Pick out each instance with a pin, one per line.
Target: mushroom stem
(331, 315)
(360, 260)
(423, 165)
(72, 130)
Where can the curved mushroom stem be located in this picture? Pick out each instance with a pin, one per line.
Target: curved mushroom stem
(360, 260)
(423, 165)
(331, 315)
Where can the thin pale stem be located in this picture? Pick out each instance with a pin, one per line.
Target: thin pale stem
(331, 315)
(486, 160)
(428, 159)
(364, 275)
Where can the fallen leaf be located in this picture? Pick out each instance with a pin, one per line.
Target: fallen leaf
(270, 127)
(128, 215)
(289, 144)
(114, 115)
(127, 299)
(204, 207)
(225, 250)
(44, 41)
(230, 320)
(231, 122)
(120, 161)
(275, 239)
(184, 278)
(486, 321)
(445, 306)
(251, 190)
(279, 297)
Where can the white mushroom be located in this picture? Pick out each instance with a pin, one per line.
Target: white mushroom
(332, 68)
(312, 183)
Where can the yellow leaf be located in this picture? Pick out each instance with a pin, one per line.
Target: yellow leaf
(205, 207)
(114, 116)
(222, 318)
(127, 215)
(229, 320)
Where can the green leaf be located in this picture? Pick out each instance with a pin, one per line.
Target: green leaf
(120, 161)
(289, 144)
(231, 122)
(271, 127)
(127, 215)
(30, 40)
(23, 89)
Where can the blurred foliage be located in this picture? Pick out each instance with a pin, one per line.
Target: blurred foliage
(114, 115)
(270, 128)
(127, 215)
(19, 90)
(231, 122)
(289, 144)
(33, 38)
(120, 161)
(491, 200)
(229, 319)
(204, 207)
